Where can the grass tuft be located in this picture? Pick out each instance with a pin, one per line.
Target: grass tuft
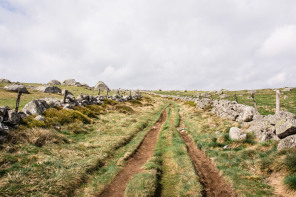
(290, 181)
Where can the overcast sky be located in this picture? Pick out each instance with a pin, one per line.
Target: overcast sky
(150, 44)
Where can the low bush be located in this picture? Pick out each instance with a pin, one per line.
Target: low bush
(76, 128)
(136, 102)
(110, 102)
(124, 109)
(85, 111)
(190, 103)
(63, 116)
(30, 122)
(96, 109)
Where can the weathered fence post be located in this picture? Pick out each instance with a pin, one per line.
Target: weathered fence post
(19, 94)
(107, 92)
(253, 97)
(277, 102)
(65, 96)
(99, 92)
(235, 98)
(130, 93)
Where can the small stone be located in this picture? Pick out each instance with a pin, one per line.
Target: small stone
(40, 118)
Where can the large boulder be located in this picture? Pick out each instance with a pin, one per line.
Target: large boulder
(204, 103)
(206, 95)
(233, 111)
(35, 107)
(69, 82)
(4, 81)
(101, 85)
(49, 89)
(54, 82)
(52, 102)
(287, 142)
(13, 118)
(287, 89)
(236, 133)
(16, 88)
(224, 96)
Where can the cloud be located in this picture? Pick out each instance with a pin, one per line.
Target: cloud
(281, 42)
(150, 44)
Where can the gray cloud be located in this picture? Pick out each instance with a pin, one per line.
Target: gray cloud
(149, 44)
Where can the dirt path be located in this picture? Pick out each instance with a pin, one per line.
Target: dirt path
(213, 183)
(134, 164)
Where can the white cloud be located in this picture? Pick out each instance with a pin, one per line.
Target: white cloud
(281, 42)
(168, 44)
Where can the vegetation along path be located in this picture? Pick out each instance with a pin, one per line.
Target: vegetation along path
(134, 164)
(212, 181)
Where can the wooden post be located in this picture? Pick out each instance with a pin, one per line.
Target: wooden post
(130, 93)
(65, 96)
(235, 98)
(277, 102)
(19, 94)
(255, 105)
(99, 92)
(107, 92)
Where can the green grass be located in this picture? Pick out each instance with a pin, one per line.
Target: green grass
(106, 174)
(60, 162)
(241, 161)
(170, 168)
(265, 99)
(9, 98)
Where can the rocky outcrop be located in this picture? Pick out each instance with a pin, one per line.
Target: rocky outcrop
(69, 82)
(8, 119)
(52, 102)
(236, 134)
(204, 103)
(4, 81)
(287, 89)
(16, 88)
(49, 89)
(101, 85)
(54, 82)
(288, 142)
(233, 111)
(35, 107)
(223, 96)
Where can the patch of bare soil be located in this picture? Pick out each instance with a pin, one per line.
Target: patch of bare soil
(135, 163)
(276, 181)
(213, 183)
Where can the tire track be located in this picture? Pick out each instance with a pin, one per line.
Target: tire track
(213, 183)
(134, 163)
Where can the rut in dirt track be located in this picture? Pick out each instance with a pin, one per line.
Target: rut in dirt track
(134, 164)
(213, 183)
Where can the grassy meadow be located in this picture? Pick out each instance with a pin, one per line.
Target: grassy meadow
(265, 98)
(79, 152)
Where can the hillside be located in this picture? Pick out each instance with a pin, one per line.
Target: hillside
(147, 146)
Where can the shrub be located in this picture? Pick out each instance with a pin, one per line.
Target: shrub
(85, 111)
(124, 109)
(30, 122)
(76, 128)
(136, 102)
(110, 102)
(190, 103)
(95, 109)
(54, 116)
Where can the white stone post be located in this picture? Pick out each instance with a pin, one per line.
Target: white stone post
(277, 101)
